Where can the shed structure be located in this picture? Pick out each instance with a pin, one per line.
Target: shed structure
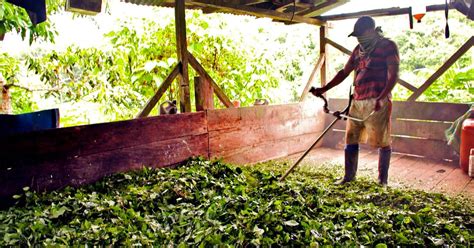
(55, 158)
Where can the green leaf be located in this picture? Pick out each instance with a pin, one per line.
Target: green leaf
(291, 223)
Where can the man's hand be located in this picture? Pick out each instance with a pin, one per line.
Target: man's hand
(317, 91)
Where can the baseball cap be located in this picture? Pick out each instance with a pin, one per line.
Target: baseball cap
(362, 24)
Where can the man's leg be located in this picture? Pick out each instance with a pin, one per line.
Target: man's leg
(351, 159)
(384, 163)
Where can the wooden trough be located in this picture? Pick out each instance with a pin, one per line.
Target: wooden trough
(73, 156)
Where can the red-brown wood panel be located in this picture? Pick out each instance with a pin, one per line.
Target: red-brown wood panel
(54, 173)
(268, 150)
(90, 139)
(241, 136)
(417, 110)
(432, 149)
(230, 118)
(424, 129)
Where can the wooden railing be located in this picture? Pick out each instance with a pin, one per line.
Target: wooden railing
(417, 127)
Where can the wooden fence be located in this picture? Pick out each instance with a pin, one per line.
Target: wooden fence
(417, 127)
(52, 159)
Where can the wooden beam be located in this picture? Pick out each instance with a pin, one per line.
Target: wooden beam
(321, 8)
(318, 66)
(337, 46)
(202, 72)
(182, 48)
(406, 85)
(254, 11)
(461, 51)
(161, 90)
(323, 31)
(203, 94)
(379, 12)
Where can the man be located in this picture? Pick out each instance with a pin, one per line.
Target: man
(375, 61)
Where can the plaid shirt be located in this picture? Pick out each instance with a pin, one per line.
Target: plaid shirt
(371, 71)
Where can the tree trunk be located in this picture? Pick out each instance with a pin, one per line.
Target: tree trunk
(5, 103)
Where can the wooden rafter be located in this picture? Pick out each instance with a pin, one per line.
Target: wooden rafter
(378, 12)
(159, 93)
(203, 73)
(318, 66)
(259, 12)
(461, 51)
(321, 8)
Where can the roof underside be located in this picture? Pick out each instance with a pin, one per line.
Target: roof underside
(304, 11)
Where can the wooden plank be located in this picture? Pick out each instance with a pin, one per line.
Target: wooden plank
(268, 150)
(90, 139)
(182, 50)
(461, 51)
(231, 118)
(50, 174)
(429, 110)
(202, 72)
(338, 46)
(322, 8)
(428, 130)
(378, 12)
(416, 110)
(431, 149)
(159, 93)
(454, 183)
(468, 191)
(323, 32)
(319, 64)
(224, 140)
(406, 84)
(254, 11)
(204, 95)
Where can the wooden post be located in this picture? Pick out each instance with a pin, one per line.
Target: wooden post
(183, 78)
(204, 94)
(202, 72)
(323, 31)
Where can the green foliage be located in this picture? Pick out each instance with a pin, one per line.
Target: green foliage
(125, 75)
(206, 203)
(15, 19)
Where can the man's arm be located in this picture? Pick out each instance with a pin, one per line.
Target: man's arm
(340, 76)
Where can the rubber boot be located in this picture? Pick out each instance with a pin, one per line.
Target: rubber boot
(384, 163)
(351, 159)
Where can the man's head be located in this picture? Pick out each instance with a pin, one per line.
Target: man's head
(363, 25)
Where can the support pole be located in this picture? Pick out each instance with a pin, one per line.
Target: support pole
(181, 44)
(323, 31)
(204, 94)
(159, 93)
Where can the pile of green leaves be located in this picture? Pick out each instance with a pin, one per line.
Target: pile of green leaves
(205, 203)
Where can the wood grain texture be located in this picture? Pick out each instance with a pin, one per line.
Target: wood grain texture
(204, 94)
(53, 173)
(430, 149)
(223, 140)
(416, 110)
(96, 138)
(268, 150)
